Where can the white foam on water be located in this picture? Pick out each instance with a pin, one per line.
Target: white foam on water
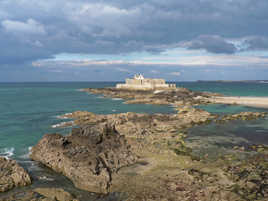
(45, 178)
(33, 166)
(27, 155)
(63, 124)
(80, 90)
(117, 99)
(113, 110)
(63, 116)
(7, 152)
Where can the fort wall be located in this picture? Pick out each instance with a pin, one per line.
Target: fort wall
(145, 84)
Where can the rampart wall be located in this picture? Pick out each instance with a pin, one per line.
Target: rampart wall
(145, 84)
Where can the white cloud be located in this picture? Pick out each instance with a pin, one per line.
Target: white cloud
(223, 60)
(3, 14)
(29, 27)
(155, 71)
(99, 19)
(200, 60)
(175, 73)
(123, 70)
(101, 9)
(55, 71)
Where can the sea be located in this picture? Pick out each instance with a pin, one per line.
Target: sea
(30, 110)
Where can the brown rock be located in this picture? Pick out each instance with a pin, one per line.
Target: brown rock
(55, 194)
(241, 116)
(39, 194)
(158, 97)
(12, 175)
(197, 116)
(89, 156)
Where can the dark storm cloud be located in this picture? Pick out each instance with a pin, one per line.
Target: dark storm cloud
(256, 43)
(32, 30)
(214, 44)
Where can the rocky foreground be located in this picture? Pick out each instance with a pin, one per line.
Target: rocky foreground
(146, 157)
(12, 175)
(40, 194)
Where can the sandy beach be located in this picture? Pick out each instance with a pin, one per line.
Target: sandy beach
(261, 102)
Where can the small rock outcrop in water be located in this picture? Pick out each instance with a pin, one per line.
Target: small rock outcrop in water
(55, 194)
(197, 116)
(89, 156)
(241, 116)
(177, 97)
(12, 175)
(40, 194)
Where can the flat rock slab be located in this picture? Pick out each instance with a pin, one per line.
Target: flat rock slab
(12, 175)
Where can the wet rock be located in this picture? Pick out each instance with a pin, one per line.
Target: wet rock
(55, 194)
(39, 194)
(197, 116)
(250, 177)
(12, 175)
(241, 116)
(89, 157)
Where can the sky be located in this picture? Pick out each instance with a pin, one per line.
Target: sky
(110, 40)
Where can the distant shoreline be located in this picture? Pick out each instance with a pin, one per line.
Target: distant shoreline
(121, 81)
(252, 101)
(235, 81)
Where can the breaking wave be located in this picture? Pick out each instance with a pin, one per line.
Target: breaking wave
(63, 124)
(7, 152)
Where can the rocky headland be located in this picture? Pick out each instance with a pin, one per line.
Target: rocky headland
(159, 164)
(89, 156)
(176, 97)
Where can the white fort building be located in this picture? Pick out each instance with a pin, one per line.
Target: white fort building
(141, 83)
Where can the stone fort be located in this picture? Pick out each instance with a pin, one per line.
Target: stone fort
(141, 83)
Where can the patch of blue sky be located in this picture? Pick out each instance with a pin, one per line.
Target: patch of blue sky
(167, 55)
(255, 53)
(96, 57)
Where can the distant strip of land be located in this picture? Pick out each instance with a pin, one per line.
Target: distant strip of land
(261, 102)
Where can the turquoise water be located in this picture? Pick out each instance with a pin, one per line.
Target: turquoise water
(28, 110)
(230, 109)
(215, 140)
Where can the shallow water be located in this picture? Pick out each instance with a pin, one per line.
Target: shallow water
(216, 140)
